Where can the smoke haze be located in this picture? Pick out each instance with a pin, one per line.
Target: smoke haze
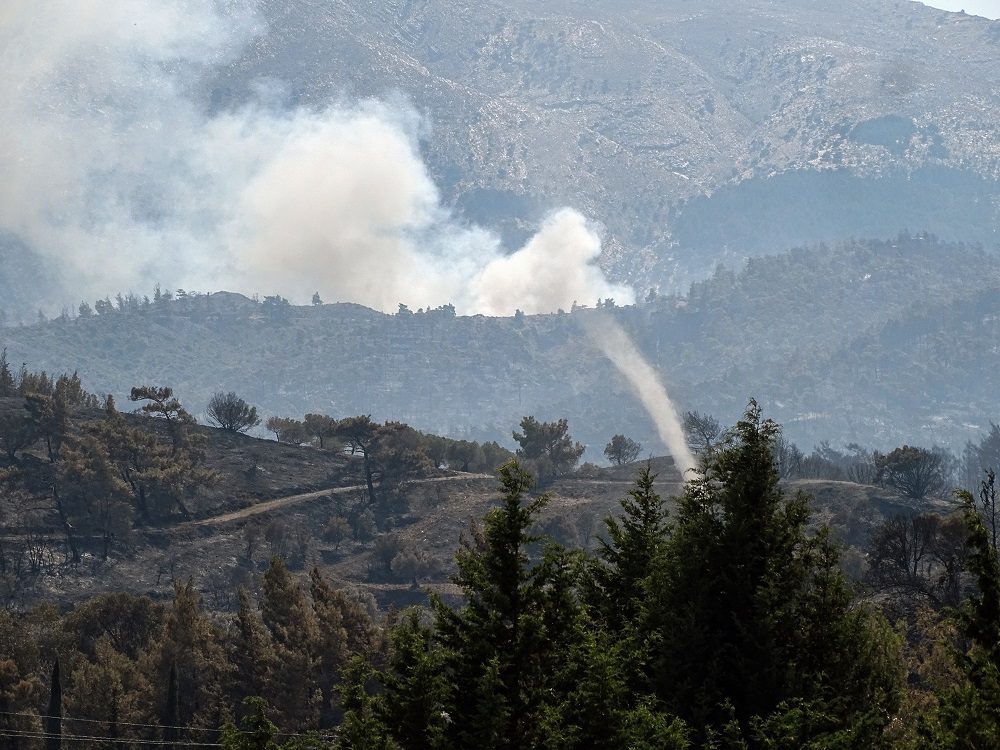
(119, 173)
(618, 347)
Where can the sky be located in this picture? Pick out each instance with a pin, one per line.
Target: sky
(986, 8)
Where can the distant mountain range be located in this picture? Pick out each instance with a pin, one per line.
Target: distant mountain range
(694, 131)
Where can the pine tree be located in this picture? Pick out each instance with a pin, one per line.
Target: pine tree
(171, 711)
(616, 581)
(192, 646)
(362, 728)
(343, 628)
(515, 655)
(289, 617)
(752, 618)
(251, 650)
(414, 706)
(968, 716)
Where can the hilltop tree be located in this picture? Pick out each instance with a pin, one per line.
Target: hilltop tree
(391, 452)
(360, 433)
(915, 472)
(622, 450)
(320, 428)
(8, 386)
(161, 403)
(232, 413)
(287, 430)
(548, 447)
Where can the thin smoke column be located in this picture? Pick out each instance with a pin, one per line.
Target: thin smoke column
(618, 347)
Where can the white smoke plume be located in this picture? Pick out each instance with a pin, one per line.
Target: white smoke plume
(115, 168)
(618, 347)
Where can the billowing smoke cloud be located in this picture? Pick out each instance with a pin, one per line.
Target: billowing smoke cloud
(616, 345)
(116, 169)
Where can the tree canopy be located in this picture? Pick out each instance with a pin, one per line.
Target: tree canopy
(547, 447)
(232, 413)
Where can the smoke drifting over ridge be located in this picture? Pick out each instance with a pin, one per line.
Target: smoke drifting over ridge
(116, 169)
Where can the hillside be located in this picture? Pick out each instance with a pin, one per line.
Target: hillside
(796, 121)
(850, 343)
(216, 506)
(258, 498)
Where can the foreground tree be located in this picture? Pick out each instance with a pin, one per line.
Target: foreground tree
(232, 413)
(754, 629)
(622, 450)
(519, 665)
(616, 580)
(968, 714)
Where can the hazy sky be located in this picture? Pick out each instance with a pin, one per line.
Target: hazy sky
(987, 8)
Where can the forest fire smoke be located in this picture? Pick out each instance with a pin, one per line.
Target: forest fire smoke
(120, 171)
(618, 347)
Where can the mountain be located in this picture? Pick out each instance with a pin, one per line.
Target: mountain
(874, 342)
(692, 130)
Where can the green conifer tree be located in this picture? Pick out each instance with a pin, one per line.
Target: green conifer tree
(968, 715)
(753, 621)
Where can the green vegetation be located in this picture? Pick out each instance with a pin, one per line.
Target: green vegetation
(622, 450)
(901, 317)
(722, 617)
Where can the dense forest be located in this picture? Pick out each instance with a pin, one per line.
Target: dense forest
(738, 613)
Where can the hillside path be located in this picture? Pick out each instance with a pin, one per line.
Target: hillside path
(281, 502)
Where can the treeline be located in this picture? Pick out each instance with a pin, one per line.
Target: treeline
(915, 472)
(80, 480)
(726, 624)
(96, 478)
(361, 435)
(132, 671)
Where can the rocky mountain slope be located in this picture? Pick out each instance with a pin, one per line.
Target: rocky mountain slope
(694, 132)
(691, 130)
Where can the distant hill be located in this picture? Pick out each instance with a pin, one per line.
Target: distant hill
(261, 498)
(874, 342)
